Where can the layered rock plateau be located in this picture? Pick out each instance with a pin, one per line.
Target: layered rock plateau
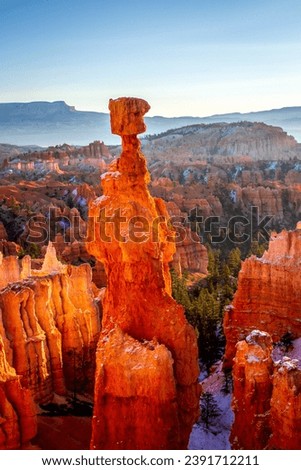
(267, 362)
(49, 327)
(146, 386)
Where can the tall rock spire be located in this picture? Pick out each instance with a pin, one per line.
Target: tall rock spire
(146, 389)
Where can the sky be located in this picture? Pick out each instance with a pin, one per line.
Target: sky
(188, 57)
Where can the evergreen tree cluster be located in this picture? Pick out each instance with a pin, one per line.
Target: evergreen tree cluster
(205, 303)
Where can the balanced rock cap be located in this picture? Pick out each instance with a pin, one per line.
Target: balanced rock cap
(127, 115)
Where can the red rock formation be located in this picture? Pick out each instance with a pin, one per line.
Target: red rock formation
(190, 254)
(9, 270)
(9, 248)
(252, 389)
(3, 234)
(18, 423)
(146, 393)
(285, 419)
(266, 396)
(99, 275)
(268, 201)
(50, 326)
(268, 293)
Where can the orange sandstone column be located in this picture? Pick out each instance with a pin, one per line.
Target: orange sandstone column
(146, 389)
(252, 390)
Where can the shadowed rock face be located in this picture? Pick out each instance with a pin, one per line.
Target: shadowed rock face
(146, 390)
(268, 293)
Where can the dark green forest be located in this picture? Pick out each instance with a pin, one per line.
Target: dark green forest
(205, 301)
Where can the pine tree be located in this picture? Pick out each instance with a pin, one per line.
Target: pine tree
(228, 384)
(257, 248)
(181, 295)
(207, 311)
(234, 261)
(209, 410)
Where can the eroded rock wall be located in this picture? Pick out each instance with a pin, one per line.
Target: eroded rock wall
(268, 293)
(252, 390)
(266, 397)
(50, 325)
(18, 423)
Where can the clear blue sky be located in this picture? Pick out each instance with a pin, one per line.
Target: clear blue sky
(188, 57)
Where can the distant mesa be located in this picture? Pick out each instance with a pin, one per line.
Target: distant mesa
(44, 123)
(220, 141)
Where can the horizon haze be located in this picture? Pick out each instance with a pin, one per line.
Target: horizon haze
(52, 123)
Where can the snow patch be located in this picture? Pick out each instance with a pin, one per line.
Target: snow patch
(272, 166)
(101, 199)
(82, 202)
(110, 174)
(217, 436)
(252, 358)
(287, 364)
(252, 338)
(297, 167)
(238, 169)
(233, 195)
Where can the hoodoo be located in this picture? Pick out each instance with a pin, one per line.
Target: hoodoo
(146, 385)
(266, 396)
(266, 372)
(268, 293)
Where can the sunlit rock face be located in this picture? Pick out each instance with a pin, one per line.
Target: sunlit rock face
(252, 380)
(266, 396)
(268, 293)
(146, 392)
(9, 270)
(18, 423)
(267, 383)
(285, 415)
(50, 324)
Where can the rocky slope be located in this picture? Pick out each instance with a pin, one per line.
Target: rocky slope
(36, 213)
(147, 368)
(268, 293)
